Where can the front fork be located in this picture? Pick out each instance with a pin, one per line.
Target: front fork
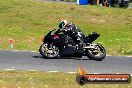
(90, 46)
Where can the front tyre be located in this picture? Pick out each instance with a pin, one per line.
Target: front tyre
(98, 53)
(49, 50)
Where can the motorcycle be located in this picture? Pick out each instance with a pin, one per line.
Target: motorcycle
(55, 44)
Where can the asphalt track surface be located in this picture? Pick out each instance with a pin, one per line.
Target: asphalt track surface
(25, 60)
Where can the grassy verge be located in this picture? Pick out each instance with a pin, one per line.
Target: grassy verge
(29, 79)
(26, 21)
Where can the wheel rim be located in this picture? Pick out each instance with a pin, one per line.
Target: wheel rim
(50, 50)
(99, 51)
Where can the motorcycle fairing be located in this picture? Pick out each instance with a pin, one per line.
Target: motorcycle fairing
(91, 37)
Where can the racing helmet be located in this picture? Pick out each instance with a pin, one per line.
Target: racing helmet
(63, 24)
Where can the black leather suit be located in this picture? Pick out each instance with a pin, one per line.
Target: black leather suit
(74, 32)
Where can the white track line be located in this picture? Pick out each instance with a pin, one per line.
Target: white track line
(62, 72)
(23, 51)
(53, 71)
(9, 69)
(36, 52)
(128, 56)
(32, 70)
(108, 55)
(71, 72)
(16, 50)
(96, 73)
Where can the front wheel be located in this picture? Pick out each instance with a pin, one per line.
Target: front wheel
(49, 50)
(98, 53)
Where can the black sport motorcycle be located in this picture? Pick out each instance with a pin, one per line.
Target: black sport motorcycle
(62, 45)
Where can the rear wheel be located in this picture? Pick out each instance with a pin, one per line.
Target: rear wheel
(49, 50)
(98, 53)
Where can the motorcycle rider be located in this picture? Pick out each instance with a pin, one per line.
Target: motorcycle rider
(73, 31)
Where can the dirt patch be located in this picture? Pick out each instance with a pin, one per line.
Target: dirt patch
(98, 20)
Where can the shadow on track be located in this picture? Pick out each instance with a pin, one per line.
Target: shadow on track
(74, 58)
(56, 57)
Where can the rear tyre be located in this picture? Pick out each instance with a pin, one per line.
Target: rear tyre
(96, 55)
(49, 50)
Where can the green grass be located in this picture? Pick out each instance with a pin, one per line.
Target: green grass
(130, 4)
(30, 79)
(26, 21)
